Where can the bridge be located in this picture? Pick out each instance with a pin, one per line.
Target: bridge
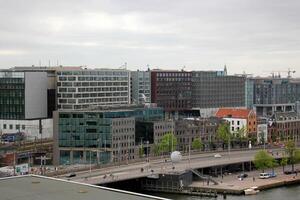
(160, 166)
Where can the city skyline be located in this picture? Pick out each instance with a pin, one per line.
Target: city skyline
(251, 36)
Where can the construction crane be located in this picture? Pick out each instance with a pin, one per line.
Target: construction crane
(289, 72)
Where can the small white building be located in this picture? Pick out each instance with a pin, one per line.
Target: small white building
(237, 124)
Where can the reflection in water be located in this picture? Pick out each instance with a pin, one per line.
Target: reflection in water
(281, 193)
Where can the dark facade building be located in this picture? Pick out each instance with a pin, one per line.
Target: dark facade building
(214, 89)
(106, 134)
(171, 90)
(23, 95)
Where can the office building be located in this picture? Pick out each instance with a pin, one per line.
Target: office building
(214, 89)
(100, 135)
(84, 88)
(140, 87)
(27, 99)
(171, 90)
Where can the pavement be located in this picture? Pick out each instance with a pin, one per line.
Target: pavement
(232, 184)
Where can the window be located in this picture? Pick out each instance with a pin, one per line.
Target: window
(232, 122)
(18, 127)
(4, 126)
(10, 126)
(23, 127)
(232, 128)
(238, 122)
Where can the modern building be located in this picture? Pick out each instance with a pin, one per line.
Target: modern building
(214, 89)
(27, 100)
(275, 94)
(150, 133)
(239, 120)
(84, 88)
(189, 129)
(171, 90)
(140, 87)
(100, 135)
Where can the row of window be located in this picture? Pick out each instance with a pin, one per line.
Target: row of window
(11, 127)
(93, 72)
(90, 78)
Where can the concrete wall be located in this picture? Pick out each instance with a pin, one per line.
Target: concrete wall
(29, 127)
(36, 84)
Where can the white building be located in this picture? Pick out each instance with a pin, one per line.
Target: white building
(237, 124)
(29, 127)
(82, 88)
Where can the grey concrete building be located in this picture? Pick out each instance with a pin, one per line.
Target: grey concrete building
(214, 89)
(140, 87)
(273, 94)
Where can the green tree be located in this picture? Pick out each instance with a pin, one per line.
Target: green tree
(168, 143)
(197, 144)
(262, 160)
(141, 151)
(223, 133)
(293, 153)
(283, 162)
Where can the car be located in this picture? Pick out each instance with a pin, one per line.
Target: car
(217, 155)
(243, 175)
(71, 175)
(264, 175)
(272, 174)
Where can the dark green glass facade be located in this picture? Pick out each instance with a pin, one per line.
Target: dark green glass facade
(12, 97)
(84, 134)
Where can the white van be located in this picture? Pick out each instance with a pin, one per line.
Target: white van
(264, 175)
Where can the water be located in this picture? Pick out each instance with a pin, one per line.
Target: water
(281, 193)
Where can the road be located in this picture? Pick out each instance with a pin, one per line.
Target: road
(131, 171)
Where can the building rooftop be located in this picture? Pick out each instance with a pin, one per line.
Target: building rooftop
(233, 112)
(37, 187)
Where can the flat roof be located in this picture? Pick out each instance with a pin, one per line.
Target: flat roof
(31, 187)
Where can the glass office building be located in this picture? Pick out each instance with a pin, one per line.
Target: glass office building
(99, 136)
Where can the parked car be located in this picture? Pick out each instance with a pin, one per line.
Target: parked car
(217, 155)
(264, 175)
(243, 175)
(272, 174)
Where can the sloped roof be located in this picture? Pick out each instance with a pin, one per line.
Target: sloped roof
(233, 113)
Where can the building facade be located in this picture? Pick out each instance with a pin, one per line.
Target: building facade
(106, 134)
(189, 129)
(239, 120)
(140, 87)
(171, 90)
(84, 88)
(215, 89)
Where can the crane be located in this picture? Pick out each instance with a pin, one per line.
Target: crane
(289, 72)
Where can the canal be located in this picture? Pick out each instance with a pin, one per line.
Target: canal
(281, 193)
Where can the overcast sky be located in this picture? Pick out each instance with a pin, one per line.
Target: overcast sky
(255, 36)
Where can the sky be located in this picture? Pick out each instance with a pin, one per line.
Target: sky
(248, 36)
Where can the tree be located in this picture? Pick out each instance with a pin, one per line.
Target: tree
(197, 144)
(223, 133)
(262, 160)
(141, 151)
(283, 162)
(168, 143)
(293, 153)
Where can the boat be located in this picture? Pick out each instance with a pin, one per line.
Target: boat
(251, 191)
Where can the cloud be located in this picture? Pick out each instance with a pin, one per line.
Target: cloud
(245, 35)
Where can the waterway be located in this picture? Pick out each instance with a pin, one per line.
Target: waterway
(281, 193)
